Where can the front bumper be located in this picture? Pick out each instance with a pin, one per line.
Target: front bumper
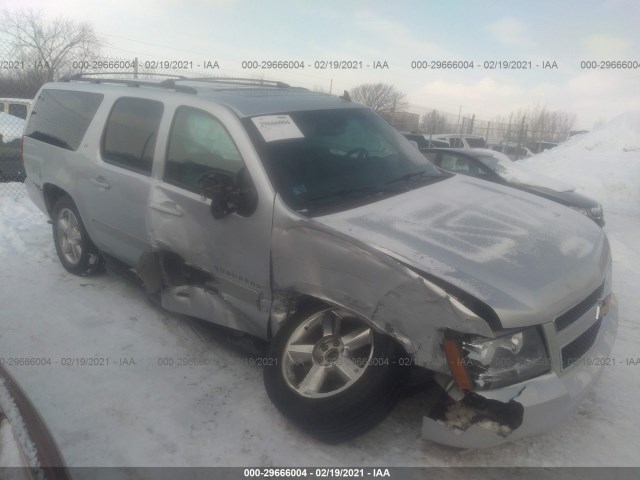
(546, 400)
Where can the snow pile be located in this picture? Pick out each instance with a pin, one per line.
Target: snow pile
(621, 133)
(603, 164)
(21, 226)
(519, 175)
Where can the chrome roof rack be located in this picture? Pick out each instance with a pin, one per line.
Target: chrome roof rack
(133, 82)
(229, 83)
(239, 81)
(171, 82)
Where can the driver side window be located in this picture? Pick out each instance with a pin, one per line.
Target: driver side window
(198, 144)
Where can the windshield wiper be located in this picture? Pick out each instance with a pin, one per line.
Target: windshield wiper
(409, 176)
(347, 191)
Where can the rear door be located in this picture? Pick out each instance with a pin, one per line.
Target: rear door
(117, 188)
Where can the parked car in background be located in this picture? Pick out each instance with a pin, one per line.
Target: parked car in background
(11, 130)
(18, 107)
(498, 168)
(458, 140)
(539, 147)
(425, 140)
(512, 150)
(308, 221)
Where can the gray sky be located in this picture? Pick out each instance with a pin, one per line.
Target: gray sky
(230, 31)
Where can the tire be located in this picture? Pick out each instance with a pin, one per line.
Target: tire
(76, 251)
(308, 383)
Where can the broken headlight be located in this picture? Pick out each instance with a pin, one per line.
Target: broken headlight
(497, 362)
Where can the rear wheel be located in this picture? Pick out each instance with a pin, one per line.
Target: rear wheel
(76, 251)
(332, 374)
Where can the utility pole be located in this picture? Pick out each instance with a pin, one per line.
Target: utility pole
(520, 135)
(393, 114)
(331, 86)
(135, 68)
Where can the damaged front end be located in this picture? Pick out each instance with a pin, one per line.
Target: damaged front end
(501, 418)
(503, 375)
(477, 408)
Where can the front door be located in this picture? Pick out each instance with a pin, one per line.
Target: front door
(234, 249)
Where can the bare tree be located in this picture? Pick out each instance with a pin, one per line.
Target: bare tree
(381, 97)
(434, 122)
(47, 48)
(540, 124)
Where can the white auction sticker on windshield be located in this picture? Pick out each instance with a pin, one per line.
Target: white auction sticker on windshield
(277, 127)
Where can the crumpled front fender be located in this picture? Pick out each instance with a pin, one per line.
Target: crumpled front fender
(312, 259)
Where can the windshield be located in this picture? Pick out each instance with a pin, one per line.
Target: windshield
(331, 160)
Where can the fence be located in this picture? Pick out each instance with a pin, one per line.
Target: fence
(11, 127)
(518, 139)
(14, 103)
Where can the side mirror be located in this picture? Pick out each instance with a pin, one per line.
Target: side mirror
(229, 193)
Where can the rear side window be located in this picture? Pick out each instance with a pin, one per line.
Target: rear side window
(61, 117)
(18, 110)
(459, 164)
(419, 139)
(130, 134)
(432, 157)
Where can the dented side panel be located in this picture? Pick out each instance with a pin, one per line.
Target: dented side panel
(311, 259)
(235, 251)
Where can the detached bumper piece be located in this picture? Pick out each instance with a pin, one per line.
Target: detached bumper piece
(473, 410)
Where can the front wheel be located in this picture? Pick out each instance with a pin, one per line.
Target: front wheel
(76, 251)
(332, 374)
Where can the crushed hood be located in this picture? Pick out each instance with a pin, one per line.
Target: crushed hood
(528, 258)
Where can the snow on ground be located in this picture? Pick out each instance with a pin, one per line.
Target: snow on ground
(14, 437)
(149, 414)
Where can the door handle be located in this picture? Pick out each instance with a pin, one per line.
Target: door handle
(100, 182)
(169, 208)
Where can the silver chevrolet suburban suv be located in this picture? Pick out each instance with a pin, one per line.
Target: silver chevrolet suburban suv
(306, 220)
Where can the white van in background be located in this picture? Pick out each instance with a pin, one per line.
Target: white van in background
(18, 107)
